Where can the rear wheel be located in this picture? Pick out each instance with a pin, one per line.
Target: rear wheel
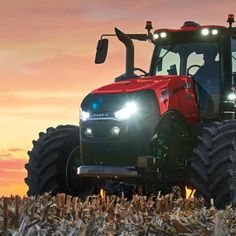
(47, 160)
(214, 169)
(200, 166)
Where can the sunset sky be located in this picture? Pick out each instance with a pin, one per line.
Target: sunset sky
(47, 62)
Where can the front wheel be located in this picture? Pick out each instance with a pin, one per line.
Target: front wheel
(82, 186)
(48, 160)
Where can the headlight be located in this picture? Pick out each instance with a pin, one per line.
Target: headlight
(126, 112)
(84, 115)
(232, 96)
(88, 132)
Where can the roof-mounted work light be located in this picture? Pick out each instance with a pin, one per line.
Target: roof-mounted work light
(205, 31)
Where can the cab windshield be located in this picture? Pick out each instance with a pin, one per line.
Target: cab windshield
(176, 59)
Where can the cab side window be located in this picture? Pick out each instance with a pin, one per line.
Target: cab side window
(169, 63)
(233, 51)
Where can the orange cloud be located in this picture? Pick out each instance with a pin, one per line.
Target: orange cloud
(12, 173)
(11, 164)
(14, 189)
(16, 150)
(11, 176)
(11, 153)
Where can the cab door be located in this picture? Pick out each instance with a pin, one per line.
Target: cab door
(233, 56)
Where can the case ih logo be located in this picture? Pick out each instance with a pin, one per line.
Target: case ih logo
(100, 115)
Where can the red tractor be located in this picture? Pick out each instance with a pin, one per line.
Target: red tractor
(174, 125)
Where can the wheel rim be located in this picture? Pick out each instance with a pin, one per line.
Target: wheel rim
(71, 168)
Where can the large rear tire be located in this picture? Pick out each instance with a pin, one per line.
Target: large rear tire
(214, 169)
(48, 158)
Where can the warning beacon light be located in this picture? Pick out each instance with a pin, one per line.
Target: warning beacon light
(148, 26)
(230, 19)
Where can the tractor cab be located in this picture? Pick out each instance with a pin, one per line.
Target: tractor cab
(207, 54)
(195, 51)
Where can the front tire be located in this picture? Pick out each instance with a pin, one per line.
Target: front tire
(47, 160)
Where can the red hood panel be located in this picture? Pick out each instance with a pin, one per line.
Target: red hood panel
(135, 85)
(172, 93)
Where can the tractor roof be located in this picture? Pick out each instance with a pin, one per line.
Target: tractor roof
(191, 31)
(190, 26)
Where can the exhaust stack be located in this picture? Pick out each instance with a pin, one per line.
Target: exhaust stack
(126, 40)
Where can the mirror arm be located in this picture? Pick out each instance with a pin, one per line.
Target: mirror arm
(107, 35)
(140, 37)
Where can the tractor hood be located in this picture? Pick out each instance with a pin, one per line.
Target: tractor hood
(172, 92)
(138, 84)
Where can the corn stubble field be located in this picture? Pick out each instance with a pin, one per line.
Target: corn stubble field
(113, 215)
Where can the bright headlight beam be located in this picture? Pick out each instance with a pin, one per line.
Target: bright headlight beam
(232, 96)
(129, 109)
(84, 115)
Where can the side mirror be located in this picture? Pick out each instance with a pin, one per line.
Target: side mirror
(101, 53)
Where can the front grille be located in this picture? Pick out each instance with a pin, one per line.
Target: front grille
(102, 128)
